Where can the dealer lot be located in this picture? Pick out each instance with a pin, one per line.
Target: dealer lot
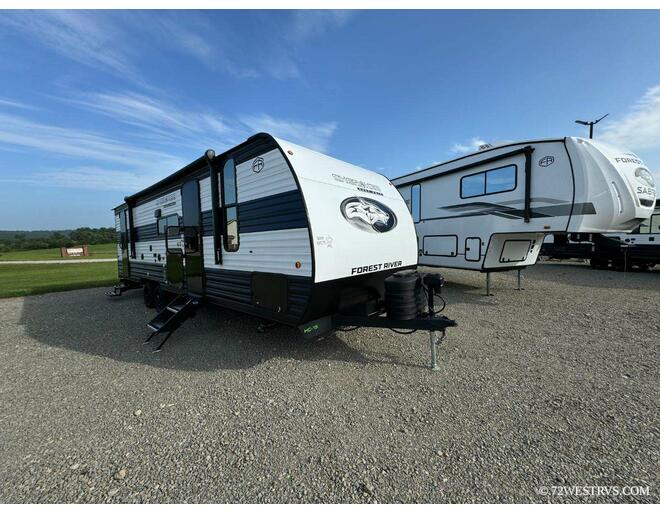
(553, 386)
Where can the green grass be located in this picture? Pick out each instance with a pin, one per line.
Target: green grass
(101, 251)
(27, 279)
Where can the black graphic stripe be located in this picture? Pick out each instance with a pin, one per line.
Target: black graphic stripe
(276, 212)
(503, 211)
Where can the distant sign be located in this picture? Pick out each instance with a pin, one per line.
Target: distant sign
(76, 251)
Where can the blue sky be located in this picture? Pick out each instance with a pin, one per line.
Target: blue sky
(96, 105)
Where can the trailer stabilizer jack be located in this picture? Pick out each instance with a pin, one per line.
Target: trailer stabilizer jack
(118, 289)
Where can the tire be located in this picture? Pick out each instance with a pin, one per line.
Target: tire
(149, 294)
(618, 265)
(161, 299)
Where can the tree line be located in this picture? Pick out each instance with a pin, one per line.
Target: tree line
(79, 236)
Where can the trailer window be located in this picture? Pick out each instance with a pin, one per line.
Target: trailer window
(500, 180)
(415, 202)
(644, 228)
(473, 185)
(655, 224)
(167, 221)
(230, 206)
(130, 232)
(489, 182)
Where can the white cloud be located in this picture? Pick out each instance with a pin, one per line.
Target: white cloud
(314, 136)
(159, 120)
(164, 122)
(5, 102)
(117, 42)
(57, 140)
(212, 41)
(307, 24)
(102, 162)
(471, 146)
(190, 41)
(99, 154)
(640, 128)
(88, 177)
(77, 35)
(273, 44)
(297, 33)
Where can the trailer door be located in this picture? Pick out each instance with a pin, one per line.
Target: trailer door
(183, 242)
(194, 264)
(123, 243)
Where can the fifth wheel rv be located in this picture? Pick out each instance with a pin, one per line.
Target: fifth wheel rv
(281, 232)
(489, 211)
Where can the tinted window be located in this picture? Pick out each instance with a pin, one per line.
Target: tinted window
(230, 206)
(473, 185)
(489, 182)
(655, 224)
(503, 179)
(190, 204)
(168, 221)
(231, 242)
(415, 202)
(229, 182)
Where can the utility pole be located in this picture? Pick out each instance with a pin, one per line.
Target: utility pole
(591, 124)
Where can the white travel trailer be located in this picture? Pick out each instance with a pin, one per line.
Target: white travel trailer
(618, 250)
(640, 248)
(489, 211)
(278, 231)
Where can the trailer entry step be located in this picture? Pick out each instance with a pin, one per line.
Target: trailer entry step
(171, 318)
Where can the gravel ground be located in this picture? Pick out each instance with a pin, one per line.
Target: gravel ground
(553, 386)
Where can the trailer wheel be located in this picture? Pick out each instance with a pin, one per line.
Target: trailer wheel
(162, 298)
(620, 265)
(149, 294)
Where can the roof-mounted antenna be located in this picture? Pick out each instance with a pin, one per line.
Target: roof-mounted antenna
(591, 124)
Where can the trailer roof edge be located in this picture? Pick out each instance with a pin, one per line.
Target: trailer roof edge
(188, 167)
(481, 152)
